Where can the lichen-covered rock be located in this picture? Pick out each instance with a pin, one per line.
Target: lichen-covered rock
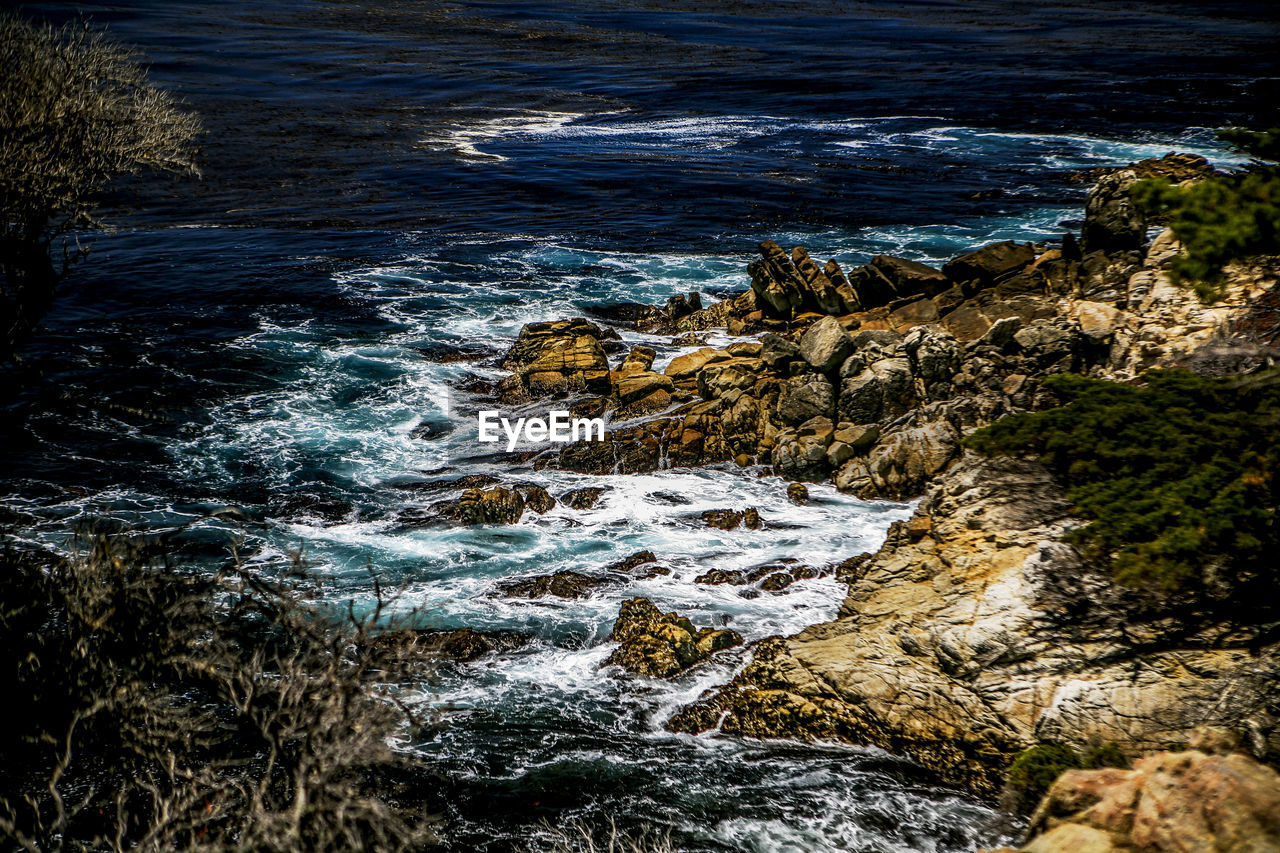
(724, 519)
(536, 498)
(563, 584)
(661, 644)
(584, 498)
(498, 505)
(798, 494)
(1112, 222)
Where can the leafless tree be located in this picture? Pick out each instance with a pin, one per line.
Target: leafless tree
(76, 112)
(153, 708)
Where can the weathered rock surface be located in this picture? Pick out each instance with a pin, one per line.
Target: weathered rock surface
(975, 633)
(1170, 802)
(661, 644)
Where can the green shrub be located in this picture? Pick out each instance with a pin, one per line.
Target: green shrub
(1175, 476)
(1108, 755)
(1034, 771)
(1221, 218)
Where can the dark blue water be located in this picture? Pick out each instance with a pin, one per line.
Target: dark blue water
(388, 185)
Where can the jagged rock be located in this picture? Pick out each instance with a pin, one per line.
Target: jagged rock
(825, 345)
(989, 264)
(884, 389)
(777, 352)
(462, 645)
(900, 465)
(776, 282)
(661, 644)
(687, 366)
(751, 518)
(935, 357)
(582, 498)
(535, 497)
(630, 387)
(719, 378)
(724, 519)
(498, 505)
(716, 577)
(1183, 802)
(806, 396)
(534, 338)
(563, 584)
(911, 278)
(554, 359)
(1112, 222)
(639, 359)
(629, 564)
(798, 494)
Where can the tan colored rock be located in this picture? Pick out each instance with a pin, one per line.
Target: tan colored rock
(688, 365)
(1170, 802)
(953, 648)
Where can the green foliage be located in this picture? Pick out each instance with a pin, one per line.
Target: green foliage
(1108, 755)
(1035, 769)
(1176, 477)
(1263, 144)
(1217, 220)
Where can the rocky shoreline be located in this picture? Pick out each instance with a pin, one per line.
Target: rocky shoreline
(976, 632)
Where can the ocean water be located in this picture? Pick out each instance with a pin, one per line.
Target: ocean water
(391, 191)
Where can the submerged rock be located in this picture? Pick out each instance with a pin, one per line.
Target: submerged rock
(661, 644)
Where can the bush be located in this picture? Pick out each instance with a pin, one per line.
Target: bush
(155, 709)
(76, 112)
(1175, 476)
(1221, 218)
(1034, 771)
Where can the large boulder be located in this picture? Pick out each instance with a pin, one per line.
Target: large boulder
(991, 263)
(902, 463)
(825, 344)
(498, 505)
(1112, 222)
(661, 644)
(809, 395)
(910, 278)
(1170, 802)
(884, 389)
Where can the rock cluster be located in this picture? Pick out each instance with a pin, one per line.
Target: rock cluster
(661, 644)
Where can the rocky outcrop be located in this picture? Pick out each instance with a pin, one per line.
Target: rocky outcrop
(498, 505)
(1196, 801)
(976, 632)
(661, 644)
(555, 359)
